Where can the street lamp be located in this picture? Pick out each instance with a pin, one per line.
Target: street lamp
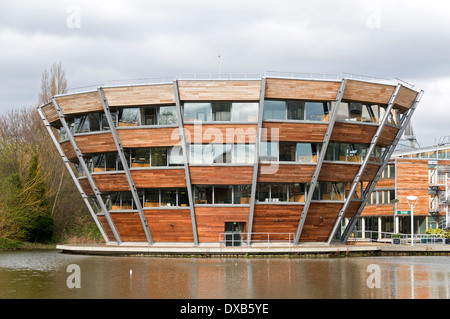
(395, 201)
(412, 201)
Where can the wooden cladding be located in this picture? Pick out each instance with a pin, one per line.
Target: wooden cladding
(281, 219)
(219, 90)
(367, 92)
(405, 97)
(211, 220)
(140, 95)
(96, 143)
(293, 132)
(301, 90)
(170, 225)
(320, 221)
(221, 175)
(155, 178)
(129, 226)
(285, 173)
(50, 113)
(80, 103)
(153, 137)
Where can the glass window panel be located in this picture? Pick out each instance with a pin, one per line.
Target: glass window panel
(242, 194)
(263, 192)
(221, 111)
(149, 115)
(295, 110)
(287, 151)
(368, 114)
(129, 116)
(355, 111)
(197, 111)
(268, 151)
(202, 194)
(81, 124)
(244, 112)
(111, 161)
(175, 155)
(392, 171)
(126, 200)
(151, 196)
(223, 194)
(279, 192)
(167, 115)
(159, 156)
(274, 110)
(140, 157)
(99, 163)
(330, 154)
(297, 192)
(168, 197)
(243, 153)
(183, 199)
(104, 120)
(221, 153)
(343, 112)
(127, 155)
(306, 152)
(94, 121)
(114, 200)
(316, 111)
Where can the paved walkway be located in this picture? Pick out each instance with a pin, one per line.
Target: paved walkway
(216, 249)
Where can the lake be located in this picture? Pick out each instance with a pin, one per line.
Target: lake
(53, 275)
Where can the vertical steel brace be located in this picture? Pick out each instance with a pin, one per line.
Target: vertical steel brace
(319, 163)
(86, 171)
(256, 162)
(358, 176)
(186, 161)
(74, 178)
(385, 159)
(119, 147)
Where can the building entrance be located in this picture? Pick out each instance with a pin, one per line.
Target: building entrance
(233, 233)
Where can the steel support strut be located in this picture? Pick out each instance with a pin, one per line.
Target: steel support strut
(323, 150)
(385, 158)
(74, 178)
(186, 161)
(86, 171)
(256, 161)
(125, 164)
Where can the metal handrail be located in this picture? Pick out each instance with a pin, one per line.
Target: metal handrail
(241, 238)
(376, 236)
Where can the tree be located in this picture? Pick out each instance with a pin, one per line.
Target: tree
(52, 84)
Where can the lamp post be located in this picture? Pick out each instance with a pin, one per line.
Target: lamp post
(395, 201)
(412, 201)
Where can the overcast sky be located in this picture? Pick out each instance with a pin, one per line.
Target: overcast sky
(98, 41)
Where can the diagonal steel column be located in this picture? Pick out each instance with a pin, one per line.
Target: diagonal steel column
(371, 149)
(256, 163)
(186, 162)
(386, 156)
(319, 163)
(74, 178)
(86, 171)
(137, 202)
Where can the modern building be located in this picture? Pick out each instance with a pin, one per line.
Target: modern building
(230, 161)
(412, 170)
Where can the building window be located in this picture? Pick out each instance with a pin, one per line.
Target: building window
(359, 112)
(296, 110)
(166, 197)
(222, 194)
(129, 116)
(329, 191)
(140, 157)
(221, 112)
(280, 192)
(288, 152)
(222, 153)
(104, 162)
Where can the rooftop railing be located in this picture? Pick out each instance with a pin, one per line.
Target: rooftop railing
(166, 79)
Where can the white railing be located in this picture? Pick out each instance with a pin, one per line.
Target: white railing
(166, 79)
(386, 237)
(238, 239)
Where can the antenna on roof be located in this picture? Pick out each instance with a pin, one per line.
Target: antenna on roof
(219, 63)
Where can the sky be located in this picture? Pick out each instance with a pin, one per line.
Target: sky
(100, 41)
